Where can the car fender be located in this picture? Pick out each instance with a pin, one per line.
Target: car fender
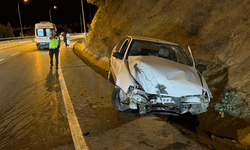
(124, 79)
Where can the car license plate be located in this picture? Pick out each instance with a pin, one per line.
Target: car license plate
(167, 100)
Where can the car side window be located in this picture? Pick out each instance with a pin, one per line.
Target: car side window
(124, 47)
(119, 45)
(181, 58)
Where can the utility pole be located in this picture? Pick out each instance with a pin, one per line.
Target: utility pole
(83, 20)
(50, 13)
(20, 16)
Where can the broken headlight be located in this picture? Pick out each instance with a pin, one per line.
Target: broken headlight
(191, 99)
(205, 96)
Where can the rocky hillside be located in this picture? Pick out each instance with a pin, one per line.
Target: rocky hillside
(218, 33)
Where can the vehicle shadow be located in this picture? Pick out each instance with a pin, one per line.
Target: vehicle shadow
(128, 116)
(188, 121)
(43, 50)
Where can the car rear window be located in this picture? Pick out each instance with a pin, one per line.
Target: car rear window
(43, 31)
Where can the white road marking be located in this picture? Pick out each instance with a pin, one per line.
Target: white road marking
(76, 131)
(1, 59)
(15, 53)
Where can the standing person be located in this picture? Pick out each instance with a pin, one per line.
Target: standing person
(54, 45)
(65, 39)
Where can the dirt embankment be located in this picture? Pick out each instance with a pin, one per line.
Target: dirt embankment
(218, 33)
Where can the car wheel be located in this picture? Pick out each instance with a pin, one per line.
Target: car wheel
(110, 78)
(116, 100)
(38, 47)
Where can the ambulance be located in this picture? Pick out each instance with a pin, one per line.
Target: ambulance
(42, 32)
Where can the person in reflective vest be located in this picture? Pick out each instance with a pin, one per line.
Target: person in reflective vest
(54, 45)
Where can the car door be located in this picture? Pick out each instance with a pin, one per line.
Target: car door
(116, 62)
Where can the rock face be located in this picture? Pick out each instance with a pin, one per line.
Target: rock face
(217, 31)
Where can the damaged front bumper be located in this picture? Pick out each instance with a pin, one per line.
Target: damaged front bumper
(161, 104)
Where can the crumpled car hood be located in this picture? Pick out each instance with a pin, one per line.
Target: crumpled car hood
(162, 76)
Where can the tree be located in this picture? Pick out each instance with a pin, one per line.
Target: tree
(6, 31)
(9, 30)
(29, 33)
(2, 30)
(66, 29)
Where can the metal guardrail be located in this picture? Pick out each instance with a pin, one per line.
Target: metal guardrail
(13, 38)
(16, 40)
(4, 42)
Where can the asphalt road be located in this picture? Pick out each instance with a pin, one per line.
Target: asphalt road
(33, 114)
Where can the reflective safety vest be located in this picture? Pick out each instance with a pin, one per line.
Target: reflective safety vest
(53, 43)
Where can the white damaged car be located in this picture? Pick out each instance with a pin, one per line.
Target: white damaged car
(156, 76)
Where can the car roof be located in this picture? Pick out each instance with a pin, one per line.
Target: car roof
(150, 39)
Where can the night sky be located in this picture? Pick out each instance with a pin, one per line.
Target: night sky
(34, 11)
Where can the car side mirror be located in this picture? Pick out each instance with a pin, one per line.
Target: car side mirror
(118, 55)
(201, 68)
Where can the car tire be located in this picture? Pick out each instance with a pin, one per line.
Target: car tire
(116, 100)
(38, 48)
(110, 77)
